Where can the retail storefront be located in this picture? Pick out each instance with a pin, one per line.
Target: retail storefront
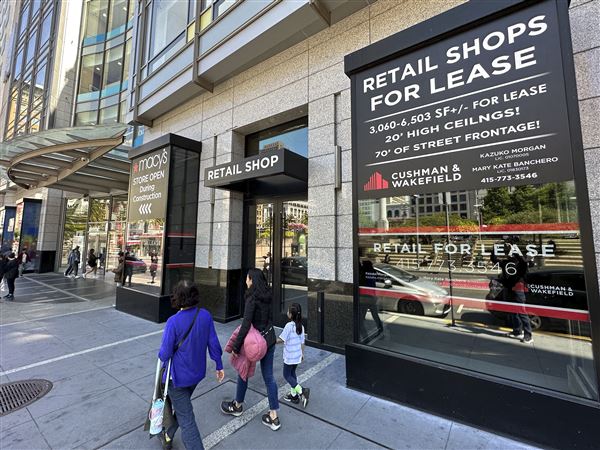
(413, 199)
(477, 103)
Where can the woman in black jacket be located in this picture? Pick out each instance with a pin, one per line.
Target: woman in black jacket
(11, 273)
(258, 313)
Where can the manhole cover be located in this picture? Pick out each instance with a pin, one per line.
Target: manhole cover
(19, 394)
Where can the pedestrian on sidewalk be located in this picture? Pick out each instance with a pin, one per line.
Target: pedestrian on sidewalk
(12, 272)
(23, 260)
(73, 262)
(258, 313)
(119, 270)
(92, 261)
(2, 271)
(292, 338)
(188, 335)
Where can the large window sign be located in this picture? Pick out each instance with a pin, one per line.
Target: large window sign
(469, 235)
(482, 109)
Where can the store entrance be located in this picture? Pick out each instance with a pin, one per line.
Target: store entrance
(277, 244)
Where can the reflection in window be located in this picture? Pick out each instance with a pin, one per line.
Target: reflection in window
(143, 257)
(118, 14)
(292, 136)
(169, 20)
(109, 115)
(220, 6)
(511, 261)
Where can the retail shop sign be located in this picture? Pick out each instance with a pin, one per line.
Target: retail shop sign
(264, 164)
(148, 186)
(483, 108)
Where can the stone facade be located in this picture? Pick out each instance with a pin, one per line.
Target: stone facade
(309, 78)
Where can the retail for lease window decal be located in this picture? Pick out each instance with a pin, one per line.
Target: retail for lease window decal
(485, 108)
(468, 233)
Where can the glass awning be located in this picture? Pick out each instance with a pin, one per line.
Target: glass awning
(77, 159)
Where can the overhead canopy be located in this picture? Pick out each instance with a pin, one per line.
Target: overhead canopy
(73, 159)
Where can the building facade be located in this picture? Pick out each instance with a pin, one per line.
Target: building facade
(249, 162)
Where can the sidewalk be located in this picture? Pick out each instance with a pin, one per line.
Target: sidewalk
(102, 363)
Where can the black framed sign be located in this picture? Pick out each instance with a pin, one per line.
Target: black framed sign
(483, 108)
(470, 207)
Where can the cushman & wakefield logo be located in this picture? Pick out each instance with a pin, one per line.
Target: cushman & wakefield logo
(151, 162)
(376, 182)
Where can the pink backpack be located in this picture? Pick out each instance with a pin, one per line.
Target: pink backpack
(255, 346)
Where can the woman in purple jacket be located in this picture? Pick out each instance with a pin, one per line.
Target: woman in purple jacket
(188, 361)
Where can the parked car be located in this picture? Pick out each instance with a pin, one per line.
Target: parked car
(138, 265)
(294, 270)
(412, 294)
(558, 287)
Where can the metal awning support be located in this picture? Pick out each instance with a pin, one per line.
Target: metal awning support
(75, 159)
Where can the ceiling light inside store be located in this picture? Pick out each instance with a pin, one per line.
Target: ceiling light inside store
(97, 68)
(103, 14)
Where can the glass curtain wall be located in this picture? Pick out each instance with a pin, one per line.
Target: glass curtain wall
(169, 27)
(104, 69)
(487, 280)
(99, 224)
(28, 96)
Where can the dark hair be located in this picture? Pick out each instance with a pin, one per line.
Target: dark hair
(185, 294)
(91, 250)
(11, 255)
(295, 311)
(260, 289)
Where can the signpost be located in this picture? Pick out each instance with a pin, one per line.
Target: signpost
(148, 186)
(483, 108)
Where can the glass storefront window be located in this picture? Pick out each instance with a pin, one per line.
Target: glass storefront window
(143, 256)
(449, 286)
(75, 227)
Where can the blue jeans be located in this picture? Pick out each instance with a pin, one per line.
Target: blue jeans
(181, 399)
(520, 321)
(266, 367)
(289, 373)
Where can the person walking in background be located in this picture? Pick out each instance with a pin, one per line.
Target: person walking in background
(119, 270)
(292, 338)
(128, 268)
(11, 273)
(2, 271)
(23, 260)
(258, 313)
(92, 261)
(73, 262)
(188, 335)
(153, 266)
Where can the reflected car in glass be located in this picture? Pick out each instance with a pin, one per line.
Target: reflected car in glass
(294, 270)
(138, 265)
(558, 287)
(411, 294)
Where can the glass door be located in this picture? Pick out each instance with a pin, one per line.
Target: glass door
(278, 240)
(294, 258)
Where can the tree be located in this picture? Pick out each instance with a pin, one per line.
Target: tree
(497, 202)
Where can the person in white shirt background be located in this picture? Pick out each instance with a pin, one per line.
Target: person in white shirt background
(292, 338)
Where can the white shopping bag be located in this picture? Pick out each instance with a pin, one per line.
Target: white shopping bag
(158, 403)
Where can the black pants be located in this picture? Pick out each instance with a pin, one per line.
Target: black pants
(72, 268)
(11, 285)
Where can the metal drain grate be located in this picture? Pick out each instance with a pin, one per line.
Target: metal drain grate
(19, 394)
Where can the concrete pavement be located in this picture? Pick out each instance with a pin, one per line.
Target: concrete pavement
(102, 363)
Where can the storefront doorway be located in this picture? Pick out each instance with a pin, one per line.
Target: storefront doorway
(277, 243)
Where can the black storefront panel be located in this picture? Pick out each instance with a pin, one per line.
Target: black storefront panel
(473, 250)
